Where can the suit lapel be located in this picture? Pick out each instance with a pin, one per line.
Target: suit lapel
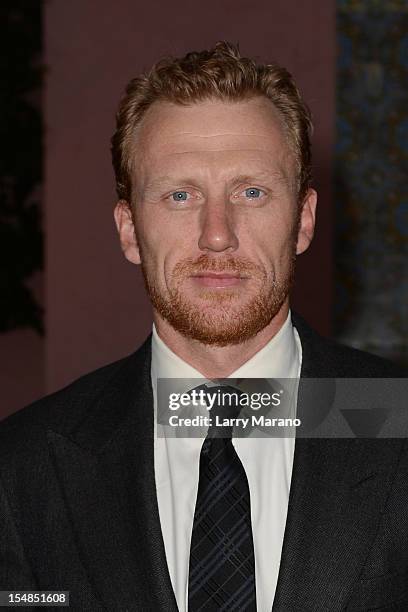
(106, 471)
(338, 490)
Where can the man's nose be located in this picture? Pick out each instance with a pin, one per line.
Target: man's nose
(217, 232)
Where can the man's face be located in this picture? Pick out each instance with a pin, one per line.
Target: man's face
(216, 224)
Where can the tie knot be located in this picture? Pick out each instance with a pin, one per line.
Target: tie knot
(223, 402)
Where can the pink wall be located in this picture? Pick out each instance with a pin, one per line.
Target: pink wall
(22, 369)
(97, 310)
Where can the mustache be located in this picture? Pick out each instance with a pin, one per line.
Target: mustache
(205, 263)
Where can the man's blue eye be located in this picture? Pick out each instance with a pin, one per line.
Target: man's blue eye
(252, 192)
(179, 196)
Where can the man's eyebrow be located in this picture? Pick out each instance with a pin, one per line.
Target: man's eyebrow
(167, 180)
(162, 181)
(260, 175)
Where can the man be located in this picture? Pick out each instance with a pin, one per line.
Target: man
(212, 162)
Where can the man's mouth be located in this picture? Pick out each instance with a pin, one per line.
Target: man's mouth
(218, 279)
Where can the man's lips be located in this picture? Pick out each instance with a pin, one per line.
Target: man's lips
(218, 279)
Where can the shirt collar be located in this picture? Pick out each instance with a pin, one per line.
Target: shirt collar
(279, 358)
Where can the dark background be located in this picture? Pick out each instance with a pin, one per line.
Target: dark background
(69, 301)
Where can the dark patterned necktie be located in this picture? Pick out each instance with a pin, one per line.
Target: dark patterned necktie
(222, 562)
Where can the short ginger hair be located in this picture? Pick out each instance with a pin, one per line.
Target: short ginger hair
(219, 73)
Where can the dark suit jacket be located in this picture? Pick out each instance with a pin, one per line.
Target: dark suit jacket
(78, 506)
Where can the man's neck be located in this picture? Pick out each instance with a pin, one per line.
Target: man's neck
(215, 361)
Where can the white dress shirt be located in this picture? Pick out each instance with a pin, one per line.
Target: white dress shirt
(267, 461)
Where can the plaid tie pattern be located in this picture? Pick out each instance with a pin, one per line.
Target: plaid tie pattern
(222, 562)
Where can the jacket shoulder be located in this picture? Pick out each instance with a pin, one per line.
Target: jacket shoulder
(355, 362)
(66, 408)
(324, 357)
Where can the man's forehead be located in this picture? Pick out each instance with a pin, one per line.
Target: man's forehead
(176, 143)
(214, 136)
(223, 163)
(211, 124)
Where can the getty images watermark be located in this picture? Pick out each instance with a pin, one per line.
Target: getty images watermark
(238, 407)
(218, 402)
(284, 407)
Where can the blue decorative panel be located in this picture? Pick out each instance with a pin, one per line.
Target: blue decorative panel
(371, 252)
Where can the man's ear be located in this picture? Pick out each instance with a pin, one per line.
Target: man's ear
(307, 221)
(125, 225)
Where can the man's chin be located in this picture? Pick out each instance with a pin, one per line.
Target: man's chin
(229, 319)
(219, 307)
(216, 335)
(219, 327)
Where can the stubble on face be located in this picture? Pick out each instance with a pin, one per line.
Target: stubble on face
(220, 322)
